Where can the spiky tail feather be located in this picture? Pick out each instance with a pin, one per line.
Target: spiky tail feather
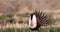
(41, 18)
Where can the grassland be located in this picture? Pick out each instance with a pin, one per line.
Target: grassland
(28, 30)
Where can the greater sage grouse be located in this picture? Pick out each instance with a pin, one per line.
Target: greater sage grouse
(37, 19)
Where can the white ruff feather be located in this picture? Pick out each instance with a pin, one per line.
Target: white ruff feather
(34, 22)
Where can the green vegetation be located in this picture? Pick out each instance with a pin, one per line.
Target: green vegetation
(7, 18)
(23, 15)
(50, 19)
(28, 30)
(51, 29)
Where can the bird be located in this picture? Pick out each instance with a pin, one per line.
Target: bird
(37, 19)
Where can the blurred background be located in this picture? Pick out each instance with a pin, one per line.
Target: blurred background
(14, 14)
